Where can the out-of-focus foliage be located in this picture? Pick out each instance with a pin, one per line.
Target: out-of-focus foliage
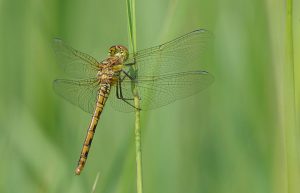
(239, 136)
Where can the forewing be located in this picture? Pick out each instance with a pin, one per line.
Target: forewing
(179, 55)
(157, 91)
(74, 62)
(82, 93)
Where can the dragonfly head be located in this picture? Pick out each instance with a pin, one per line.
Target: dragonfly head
(119, 51)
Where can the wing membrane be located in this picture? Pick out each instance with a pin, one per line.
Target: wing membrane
(157, 91)
(82, 93)
(74, 62)
(179, 55)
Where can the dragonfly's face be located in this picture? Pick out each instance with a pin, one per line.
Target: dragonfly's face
(119, 51)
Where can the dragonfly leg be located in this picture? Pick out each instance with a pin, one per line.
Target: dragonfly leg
(119, 91)
(130, 104)
(120, 95)
(131, 63)
(127, 74)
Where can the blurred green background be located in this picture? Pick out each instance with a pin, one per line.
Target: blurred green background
(241, 135)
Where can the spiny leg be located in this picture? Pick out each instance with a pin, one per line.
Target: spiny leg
(126, 74)
(119, 94)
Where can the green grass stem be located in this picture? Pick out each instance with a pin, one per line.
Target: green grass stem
(138, 149)
(291, 132)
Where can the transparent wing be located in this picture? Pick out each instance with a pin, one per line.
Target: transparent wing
(178, 55)
(74, 62)
(157, 91)
(82, 93)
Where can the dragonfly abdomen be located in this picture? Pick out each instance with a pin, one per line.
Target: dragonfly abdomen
(101, 99)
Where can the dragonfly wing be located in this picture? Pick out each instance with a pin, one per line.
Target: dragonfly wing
(74, 62)
(157, 91)
(178, 55)
(82, 93)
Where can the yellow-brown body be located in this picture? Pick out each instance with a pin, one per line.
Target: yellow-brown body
(108, 76)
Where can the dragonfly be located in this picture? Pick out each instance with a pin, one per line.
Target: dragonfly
(161, 75)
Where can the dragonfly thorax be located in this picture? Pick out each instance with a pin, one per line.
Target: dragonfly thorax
(110, 70)
(119, 51)
(107, 75)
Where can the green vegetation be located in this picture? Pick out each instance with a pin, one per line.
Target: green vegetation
(137, 130)
(241, 135)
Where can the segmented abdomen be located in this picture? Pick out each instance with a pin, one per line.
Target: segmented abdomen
(101, 99)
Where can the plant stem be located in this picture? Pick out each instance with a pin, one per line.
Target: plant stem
(137, 131)
(291, 132)
(289, 37)
(138, 149)
(131, 24)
